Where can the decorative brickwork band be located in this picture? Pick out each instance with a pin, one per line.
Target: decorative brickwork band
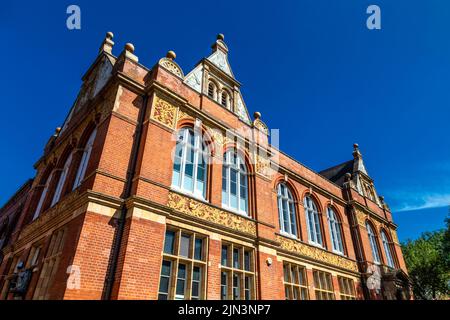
(317, 254)
(203, 211)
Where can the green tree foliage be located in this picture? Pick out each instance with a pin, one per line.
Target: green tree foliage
(428, 263)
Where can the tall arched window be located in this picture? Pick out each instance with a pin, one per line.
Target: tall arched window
(84, 160)
(335, 231)
(44, 192)
(189, 167)
(62, 180)
(234, 182)
(312, 221)
(286, 210)
(387, 249)
(212, 90)
(373, 243)
(224, 99)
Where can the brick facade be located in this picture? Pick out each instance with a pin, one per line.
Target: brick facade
(105, 237)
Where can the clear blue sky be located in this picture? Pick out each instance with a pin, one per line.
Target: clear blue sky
(312, 69)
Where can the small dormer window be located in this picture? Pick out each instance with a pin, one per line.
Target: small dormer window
(211, 90)
(224, 99)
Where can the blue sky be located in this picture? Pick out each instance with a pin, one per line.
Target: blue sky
(312, 69)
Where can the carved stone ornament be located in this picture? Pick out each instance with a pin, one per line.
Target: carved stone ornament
(261, 126)
(394, 236)
(201, 210)
(263, 166)
(361, 217)
(314, 253)
(171, 66)
(164, 112)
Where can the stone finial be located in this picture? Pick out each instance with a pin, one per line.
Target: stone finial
(107, 43)
(171, 55)
(257, 115)
(129, 52)
(57, 131)
(220, 44)
(356, 152)
(129, 47)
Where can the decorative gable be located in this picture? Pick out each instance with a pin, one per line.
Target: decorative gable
(220, 60)
(223, 84)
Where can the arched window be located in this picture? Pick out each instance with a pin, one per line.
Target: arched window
(84, 160)
(189, 167)
(234, 182)
(335, 231)
(373, 243)
(387, 249)
(224, 99)
(312, 221)
(286, 210)
(62, 180)
(212, 90)
(44, 192)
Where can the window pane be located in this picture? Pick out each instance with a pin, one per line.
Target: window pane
(196, 276)
(181, 280)
(248, 286)
(169, 242)
(236, 287)
(225, 256)
(184, 245)
(164, 285)
(247, 260)
(198, 253)
(165, 270)
(236, 259)
(224, 286)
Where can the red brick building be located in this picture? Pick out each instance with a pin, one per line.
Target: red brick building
(159, 185)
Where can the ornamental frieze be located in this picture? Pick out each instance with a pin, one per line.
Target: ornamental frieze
(203, 211)
(164, 112)
(314, 253)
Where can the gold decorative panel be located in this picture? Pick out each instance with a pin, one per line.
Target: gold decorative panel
(164, 112)
(361, 217)
(314, 253)
(263, 165)
(201, 210)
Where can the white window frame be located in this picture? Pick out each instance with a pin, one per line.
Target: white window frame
(286, 199)
(387, 250)
(313, 222)
(227, 167)
(337, 241)
(37, 212)
(84, 160)
(373, 244)
(62, 180)
(203, 151)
